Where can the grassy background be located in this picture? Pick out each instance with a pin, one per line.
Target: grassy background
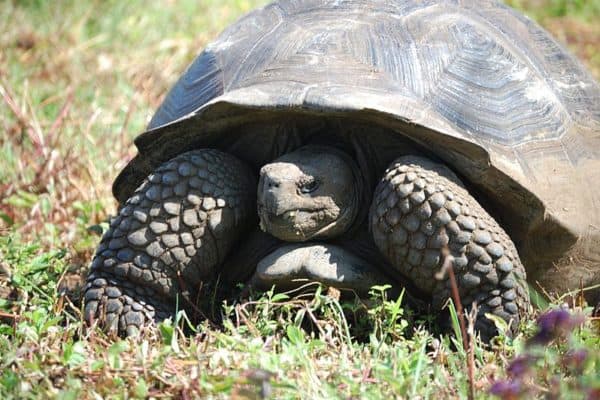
(78, 81)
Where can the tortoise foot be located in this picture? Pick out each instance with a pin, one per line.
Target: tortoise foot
(291, 266)
(121, 307)
(168, 239)
(421, 213)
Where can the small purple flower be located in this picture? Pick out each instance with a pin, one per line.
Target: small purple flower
(553, 324)
(507, 390)
(575, 359)
(520, 365)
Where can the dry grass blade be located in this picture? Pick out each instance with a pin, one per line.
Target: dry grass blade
(23, 121)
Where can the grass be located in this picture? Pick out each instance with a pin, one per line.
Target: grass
(573, 22)
(78, 81)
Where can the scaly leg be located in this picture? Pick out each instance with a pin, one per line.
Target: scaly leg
(168, 238)
(420, 208)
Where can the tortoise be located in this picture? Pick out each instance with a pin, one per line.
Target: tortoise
(357, 143)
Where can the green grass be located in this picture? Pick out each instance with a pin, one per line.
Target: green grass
(292, 347)
(573, 22)
(78, 81)
(583, 9)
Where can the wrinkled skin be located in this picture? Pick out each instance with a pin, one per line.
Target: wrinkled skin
(420, 211)
(308, 194)
(188, 219)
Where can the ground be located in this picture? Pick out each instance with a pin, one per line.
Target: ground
(78, 81)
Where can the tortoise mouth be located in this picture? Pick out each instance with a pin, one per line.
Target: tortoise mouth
(295, 225)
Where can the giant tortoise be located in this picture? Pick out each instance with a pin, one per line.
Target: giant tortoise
(357, 143)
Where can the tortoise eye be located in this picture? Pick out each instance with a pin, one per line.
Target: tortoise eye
(309, 187)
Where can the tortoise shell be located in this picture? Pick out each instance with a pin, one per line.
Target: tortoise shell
(471, 82)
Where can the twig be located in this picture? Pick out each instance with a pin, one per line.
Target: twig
(123, 133)
(32, 133)
(9, 316)
(572, 292)
(240, 311)
(14, 317)
(185, 295)
(316, 322)
(73, 308)
(472, 317)
(54, 132)
(466, 339)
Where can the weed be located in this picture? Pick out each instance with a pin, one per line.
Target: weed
(556, 361)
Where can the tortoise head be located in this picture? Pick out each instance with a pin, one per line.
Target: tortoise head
(311, 193)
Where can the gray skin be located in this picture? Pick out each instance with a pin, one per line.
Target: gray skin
(312, 194)
(308, 194)
(180, 229)
(420, 211)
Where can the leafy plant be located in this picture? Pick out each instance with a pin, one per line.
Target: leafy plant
(561, 360)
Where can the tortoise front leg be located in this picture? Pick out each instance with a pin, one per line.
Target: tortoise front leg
(292, 265)
(168, 238)
(419, 209)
